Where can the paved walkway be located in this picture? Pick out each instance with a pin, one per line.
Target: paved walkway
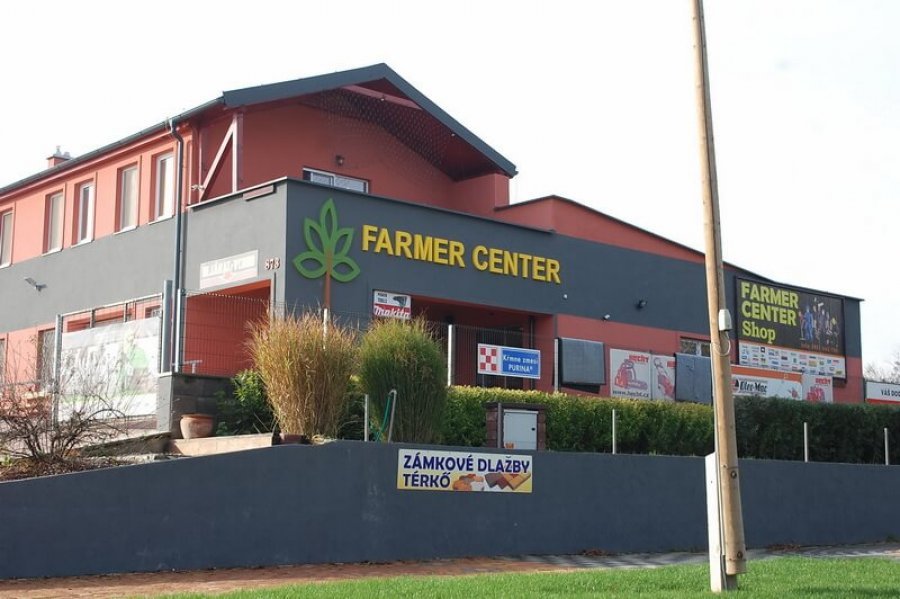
(220, 581)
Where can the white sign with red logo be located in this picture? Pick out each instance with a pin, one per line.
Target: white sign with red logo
(882, 393)
(631, 376)
(760, 382)
(392, 305)
(662, 375)
(818, 389)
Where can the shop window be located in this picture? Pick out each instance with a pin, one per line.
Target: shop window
(164, 203)
(695, 347)
(84, 213)
(6, 223)
(128, 198)
(46, 357)
(53, 222)
(326, 178)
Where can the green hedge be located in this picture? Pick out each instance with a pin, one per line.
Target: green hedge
(766, 428)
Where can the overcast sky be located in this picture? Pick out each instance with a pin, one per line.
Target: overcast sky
(593, 101)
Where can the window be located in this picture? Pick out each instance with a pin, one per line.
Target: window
(165, 186)
(341, 181)
(128, 198)
(695, 347)
(6, 238)
(46, 357)
(84, 213)
(2, 359)
(53, 222)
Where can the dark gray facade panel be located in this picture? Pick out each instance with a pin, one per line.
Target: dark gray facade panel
(595, 279)
(233, 226)
(107, 270)
(693, 378)
(339, 503)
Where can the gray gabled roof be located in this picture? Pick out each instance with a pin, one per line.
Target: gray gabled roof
(464, 155)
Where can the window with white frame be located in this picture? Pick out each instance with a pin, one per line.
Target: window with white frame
(128, 198)
(84, 208)
(334, 180)
(54, 222)
(165, 186)
(6, 237)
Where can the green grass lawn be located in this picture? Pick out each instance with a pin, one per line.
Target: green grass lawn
(787, 577)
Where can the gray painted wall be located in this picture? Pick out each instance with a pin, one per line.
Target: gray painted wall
(596, 279)
(107, 270)
(339, 503)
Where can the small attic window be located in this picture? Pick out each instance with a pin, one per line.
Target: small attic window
(326, 178)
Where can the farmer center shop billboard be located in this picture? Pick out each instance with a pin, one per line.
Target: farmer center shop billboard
(805, 330)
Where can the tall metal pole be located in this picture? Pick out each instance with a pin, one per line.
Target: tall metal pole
(719, 323)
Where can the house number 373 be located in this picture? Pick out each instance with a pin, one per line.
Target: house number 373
(273, 263)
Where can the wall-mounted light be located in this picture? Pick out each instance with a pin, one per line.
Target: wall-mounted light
(606, 317)
(35, 284)
(339, 160)
(641, 304)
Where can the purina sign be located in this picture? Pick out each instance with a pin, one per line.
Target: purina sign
(392, 305)
(509, 361)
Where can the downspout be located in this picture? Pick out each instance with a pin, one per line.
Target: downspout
(177, 324)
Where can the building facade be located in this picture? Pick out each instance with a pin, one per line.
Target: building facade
(355, 192)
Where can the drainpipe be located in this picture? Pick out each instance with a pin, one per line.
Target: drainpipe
(177, 325)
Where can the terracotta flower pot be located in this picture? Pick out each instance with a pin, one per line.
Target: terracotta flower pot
(197, 426)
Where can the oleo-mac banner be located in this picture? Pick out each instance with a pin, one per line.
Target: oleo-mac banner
(425, 470)
(789, 318)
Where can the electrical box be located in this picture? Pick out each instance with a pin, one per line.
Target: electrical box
(520, 429)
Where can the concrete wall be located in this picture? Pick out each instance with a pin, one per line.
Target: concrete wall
(339, 503)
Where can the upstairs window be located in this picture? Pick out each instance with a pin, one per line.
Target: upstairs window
(53, 222)
(326, 178)
(695, 347)
(128, 198)
(165, 186)
(84, 213)
(5, 238)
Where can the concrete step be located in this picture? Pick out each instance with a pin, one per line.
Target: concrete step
(214, 445)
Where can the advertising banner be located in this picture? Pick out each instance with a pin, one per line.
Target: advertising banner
(631, 374)
(780, 358)
(115, 364)
(392, 305)
(758, 382)
(500, 360)
(789, 318)
(818, 388)
(425, 470)
(663, 378)
(882, 393)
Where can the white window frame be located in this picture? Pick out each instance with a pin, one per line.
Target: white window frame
(56, 214)
(335, 180)
(6, 229)
(85, 225)
(126, 200)
(164, 207)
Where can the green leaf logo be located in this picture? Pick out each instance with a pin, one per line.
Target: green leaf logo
(327, 248)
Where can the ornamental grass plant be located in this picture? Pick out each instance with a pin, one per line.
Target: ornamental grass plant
(306, 369)
(404, 355)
